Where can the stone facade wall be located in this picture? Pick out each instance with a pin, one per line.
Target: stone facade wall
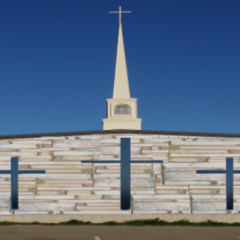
(71, 187)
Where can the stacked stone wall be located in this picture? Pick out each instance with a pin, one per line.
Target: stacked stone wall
(72, 187)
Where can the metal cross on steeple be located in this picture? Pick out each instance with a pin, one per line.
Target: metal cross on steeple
(120, 13)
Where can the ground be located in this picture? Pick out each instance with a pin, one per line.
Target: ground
(20, 232)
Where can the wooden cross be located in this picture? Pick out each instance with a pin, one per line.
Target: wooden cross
(120, 13)
(229, 180)
(14, 180)
(125, 164)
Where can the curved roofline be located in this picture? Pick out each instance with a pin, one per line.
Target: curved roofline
(57, 134)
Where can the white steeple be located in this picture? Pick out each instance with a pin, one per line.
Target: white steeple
(121, 84)
(121, 109)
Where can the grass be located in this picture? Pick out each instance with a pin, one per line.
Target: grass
(152, 222)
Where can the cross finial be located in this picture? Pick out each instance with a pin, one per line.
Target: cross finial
(120, 13)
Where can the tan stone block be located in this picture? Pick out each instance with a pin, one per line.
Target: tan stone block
(209, 187)
(204, 155)
(53, 197)
(106, 208)
(103, 203)
(114, 197)
(213, 197)
(133, 166)
(6, 213)
(52, 176)
(46, 149)
(94, 201)
(98, 176)
(5, 158)
(191, 175)
(4, 204)
(68, 181)
(5, 166)
(203, 191)
(30, 142)
(151, 212)
(79, 193)
(134, 136)
(212, 206)
(58, 166)
(211, 147)
(34, 157)
(39, 192)
(148, 183)
(170, 191)
(117, 141)
(109, 192)
(184, 160)
(24, 167)
(59, 186)
(221, 160)
(90, 137)
(17, 146)
(204, 151)
(69, 188)
(77, 143)
(117, 171)
(160, 196)
(14, 150)
(4, 142)
(50, 138)
(116, 150)
(74, 153)
(205, 142)
(98, 212)
(195, 166)
(164, 206)
(8, 188)
(142, 192)
(86, 197)
(214, 212)
(46, 206)
(106, 136)
(157, 168)
(31, 212)
(59, 171)
(17, 154)
(75, 158)
(234, 151)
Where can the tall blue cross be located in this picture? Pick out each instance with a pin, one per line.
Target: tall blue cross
(229, 180)
(14, 180)
(125, 171)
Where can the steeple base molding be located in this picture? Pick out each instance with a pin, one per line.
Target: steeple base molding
(122, 123)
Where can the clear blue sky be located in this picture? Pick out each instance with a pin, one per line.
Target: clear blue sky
(57, 62)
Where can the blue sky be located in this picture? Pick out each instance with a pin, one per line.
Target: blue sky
(57, 62)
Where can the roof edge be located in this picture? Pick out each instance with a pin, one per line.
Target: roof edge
(57, 134)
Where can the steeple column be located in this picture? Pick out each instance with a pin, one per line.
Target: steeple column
(121, 109)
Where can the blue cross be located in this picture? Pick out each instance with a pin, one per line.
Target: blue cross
(229, 180)
(14, 180)
(125, 171)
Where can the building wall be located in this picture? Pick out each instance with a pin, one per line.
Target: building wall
(71, 187)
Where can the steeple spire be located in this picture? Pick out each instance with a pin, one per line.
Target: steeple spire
(121, 83)
(121, 109)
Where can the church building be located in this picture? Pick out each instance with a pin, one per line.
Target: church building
(71, 189)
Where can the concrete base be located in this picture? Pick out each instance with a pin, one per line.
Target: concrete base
(227, 218)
